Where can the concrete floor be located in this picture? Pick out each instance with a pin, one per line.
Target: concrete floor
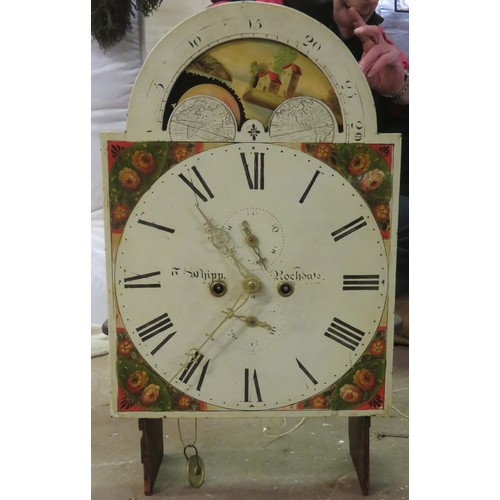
(241, 460)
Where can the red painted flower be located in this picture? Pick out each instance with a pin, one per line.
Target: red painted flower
(144, 162)
(149, 395)
(120, 212)
(129, 179)
(350, 393)
(318, 401)
(381, 212)
(180, 152)
(184, 402)
(377, 347)
(365, 379)
(358, 164)
(322, 151)
(125, 347)
(137, 381)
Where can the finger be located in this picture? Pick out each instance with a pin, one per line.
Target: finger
(377, 58)
(369, 36)
(355, 18)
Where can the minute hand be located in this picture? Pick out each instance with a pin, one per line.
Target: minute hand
(194, 352)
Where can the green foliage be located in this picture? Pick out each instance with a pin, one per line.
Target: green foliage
(111, 19)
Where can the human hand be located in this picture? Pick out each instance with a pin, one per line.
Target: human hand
(381, 62)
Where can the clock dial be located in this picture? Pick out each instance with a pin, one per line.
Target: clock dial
(238, 219)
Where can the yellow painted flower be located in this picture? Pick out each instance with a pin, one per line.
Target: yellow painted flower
(129, 179)
(144, 162)
(149, 395)
(125, 347)
(381, 212)
(365, 379)
(358, 164)
(180, 152)
(137, 381)
(120, 212)
(322, 151)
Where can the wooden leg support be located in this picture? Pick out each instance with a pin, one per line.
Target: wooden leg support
(151, 450)
(359, 447)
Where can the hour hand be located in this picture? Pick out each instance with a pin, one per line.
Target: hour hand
(218, 236)
(253, 242)
(220, 239)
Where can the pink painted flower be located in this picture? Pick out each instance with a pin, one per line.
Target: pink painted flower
(350, 393)
(371, 180)
(149, 395)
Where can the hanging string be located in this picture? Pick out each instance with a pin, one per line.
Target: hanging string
(195, 432)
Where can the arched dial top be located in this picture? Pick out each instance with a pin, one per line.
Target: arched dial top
(230, 45)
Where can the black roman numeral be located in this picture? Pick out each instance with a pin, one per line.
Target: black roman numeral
(154, 327)
(306, 371)
(361, 282)
(198, 192)
(310, 185)
(255, 179)
(192, 366)
(349, 228)
(345, 334)
(130, 282)
(248, 383)
(156, 226)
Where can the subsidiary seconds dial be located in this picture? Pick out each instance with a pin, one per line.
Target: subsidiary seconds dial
(290, 222)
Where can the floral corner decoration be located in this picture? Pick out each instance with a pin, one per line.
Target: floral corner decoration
(141, 389)
(135, 167)
(367, 168)
(361, 387)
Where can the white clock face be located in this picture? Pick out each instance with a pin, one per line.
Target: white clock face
(251, 276)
